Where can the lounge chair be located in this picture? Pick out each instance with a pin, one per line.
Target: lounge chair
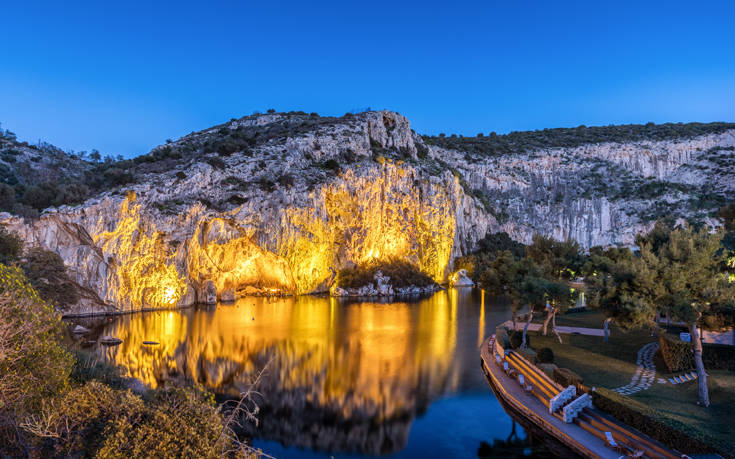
(610, 441)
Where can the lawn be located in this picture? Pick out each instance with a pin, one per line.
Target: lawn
(586, 319)
(613, 364)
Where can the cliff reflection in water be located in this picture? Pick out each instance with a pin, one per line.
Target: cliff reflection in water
(342, 377)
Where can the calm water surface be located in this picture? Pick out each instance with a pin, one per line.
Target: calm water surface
(343, 378)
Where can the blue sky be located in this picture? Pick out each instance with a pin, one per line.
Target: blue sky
(124, 77)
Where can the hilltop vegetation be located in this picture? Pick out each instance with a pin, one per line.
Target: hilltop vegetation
(35, 177)
(526, 141)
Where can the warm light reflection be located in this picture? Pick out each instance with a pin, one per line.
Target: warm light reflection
(369, 368)
(481, 322)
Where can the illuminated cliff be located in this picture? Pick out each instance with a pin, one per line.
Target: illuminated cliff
(144, 274)
(127, 254)
(299, 197)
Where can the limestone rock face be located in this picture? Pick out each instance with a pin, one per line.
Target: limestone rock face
(283, 216)
(460, 279)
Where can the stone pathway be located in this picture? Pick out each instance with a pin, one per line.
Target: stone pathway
(559, 328)
(645, 374)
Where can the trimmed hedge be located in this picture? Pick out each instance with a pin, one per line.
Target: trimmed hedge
(567, 377)
(679, 356)
(545, 355)
(655, 424)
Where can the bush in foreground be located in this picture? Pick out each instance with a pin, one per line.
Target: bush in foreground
(545, 355)
(34, 365)
(51, 406)
(97, 420)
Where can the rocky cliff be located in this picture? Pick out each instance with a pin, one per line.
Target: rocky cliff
(278, 202)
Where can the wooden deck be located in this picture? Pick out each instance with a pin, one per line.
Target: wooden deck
(586, 435)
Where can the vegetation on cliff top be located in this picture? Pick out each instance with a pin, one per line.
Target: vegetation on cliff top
(34, 177)
(525, 141)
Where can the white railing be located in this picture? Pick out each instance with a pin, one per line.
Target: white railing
(572, 410)
(561, 398)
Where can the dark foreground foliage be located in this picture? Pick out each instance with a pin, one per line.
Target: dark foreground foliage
(53, 404)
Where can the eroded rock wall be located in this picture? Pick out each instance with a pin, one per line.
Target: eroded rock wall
(284, 216)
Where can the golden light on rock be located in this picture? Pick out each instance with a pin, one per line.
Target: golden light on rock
(222, 252)
(375, 214)
(144, 275)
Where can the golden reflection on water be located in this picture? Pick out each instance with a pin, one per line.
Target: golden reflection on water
(359, 361)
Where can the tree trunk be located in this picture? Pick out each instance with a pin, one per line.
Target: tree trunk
(549, 312)
(525, 329)
(699, 364)
(606, 327)
(553, 326)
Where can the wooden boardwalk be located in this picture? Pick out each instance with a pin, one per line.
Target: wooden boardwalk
(587, 434)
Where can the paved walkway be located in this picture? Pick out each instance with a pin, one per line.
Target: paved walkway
(645, 374)
(560, 329)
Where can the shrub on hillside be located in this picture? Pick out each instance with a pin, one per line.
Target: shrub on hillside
(401, 273)
(96, 420)
(47, 274)
(10, 246)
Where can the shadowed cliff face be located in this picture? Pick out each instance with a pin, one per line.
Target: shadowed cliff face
(278, 202)
(340, 376)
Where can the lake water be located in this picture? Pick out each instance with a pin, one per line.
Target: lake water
(342, 378)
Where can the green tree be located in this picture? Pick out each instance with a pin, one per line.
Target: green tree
(688, 283)
(559, 259)
(611, 286)
(618, 284)
(7, 197)
(11, 246)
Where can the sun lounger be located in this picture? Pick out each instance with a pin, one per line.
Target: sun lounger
(610, 441)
